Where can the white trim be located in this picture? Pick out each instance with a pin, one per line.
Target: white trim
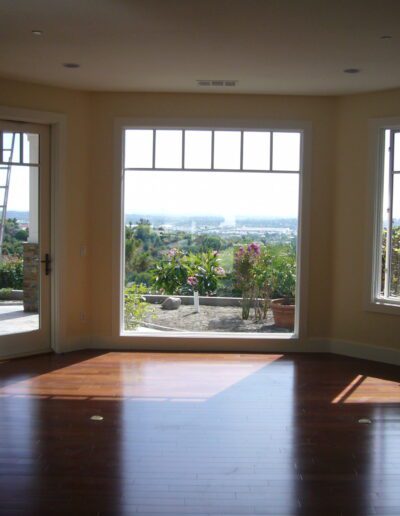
(372, 301)
(363, 351)
(312, 345)
(58, 135)
(203, 341)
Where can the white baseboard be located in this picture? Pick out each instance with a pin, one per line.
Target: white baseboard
(364, 351)
(313, 345)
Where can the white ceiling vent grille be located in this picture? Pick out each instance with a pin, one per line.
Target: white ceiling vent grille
(220, 83)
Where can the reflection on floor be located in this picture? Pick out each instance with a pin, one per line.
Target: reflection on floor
(181, 434)
(13, 319)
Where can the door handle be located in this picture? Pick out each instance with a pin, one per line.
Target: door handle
(47, 262)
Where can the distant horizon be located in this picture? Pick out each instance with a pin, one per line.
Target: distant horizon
(206, 215)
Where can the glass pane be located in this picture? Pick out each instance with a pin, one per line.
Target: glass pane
(256, 150)
(395, 257)
(385, 211)
(20, 262)
(168, 149)
(3, 175)
(193, 234)
(31, 148)
(286, 151)
(11, 147)
(2, 192)
(197, 149)
(138, 148)
(396, 163)
(227, 150)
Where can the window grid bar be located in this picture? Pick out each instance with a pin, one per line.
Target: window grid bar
(241, 150)
(271, 142)
(177, 169)
(154, 149)
(21, 148)
(183, 149)
(212, 150)
(389, 239)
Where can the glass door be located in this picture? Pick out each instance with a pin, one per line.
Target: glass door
(25, 262)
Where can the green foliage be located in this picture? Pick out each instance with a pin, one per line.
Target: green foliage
(251, 285)
(263, 272)
(171, 274)
(11, 273)
(5, 293)
(395, 272)
(277, 268)
(14, 236)
(142, 246)
(164, 259)
(136, 309)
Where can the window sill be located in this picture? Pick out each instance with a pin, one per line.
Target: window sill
(385, 306)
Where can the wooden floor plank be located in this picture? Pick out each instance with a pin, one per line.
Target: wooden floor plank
(199, 434)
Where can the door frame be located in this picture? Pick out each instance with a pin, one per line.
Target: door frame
(57, 123)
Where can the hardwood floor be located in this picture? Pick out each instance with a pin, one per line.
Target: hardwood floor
(199, 434)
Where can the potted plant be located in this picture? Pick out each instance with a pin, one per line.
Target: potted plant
(283, 287)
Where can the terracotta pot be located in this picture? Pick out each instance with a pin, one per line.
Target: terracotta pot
(283, 314)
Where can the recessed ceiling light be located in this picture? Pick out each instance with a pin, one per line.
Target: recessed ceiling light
(352, 70)
(37, 32)
(71, 65)
(386, 36)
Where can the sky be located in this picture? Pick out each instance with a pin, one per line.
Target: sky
(227, 194)
(18, 196)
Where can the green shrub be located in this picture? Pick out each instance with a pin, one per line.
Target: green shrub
(5, 293)
(136, 307)
(11, 273)
(180, 273)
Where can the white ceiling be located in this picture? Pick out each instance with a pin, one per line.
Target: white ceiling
(269, 46)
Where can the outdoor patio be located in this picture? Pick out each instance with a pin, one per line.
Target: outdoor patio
(13, 319)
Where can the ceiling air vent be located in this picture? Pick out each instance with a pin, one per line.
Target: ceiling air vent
(220, 83)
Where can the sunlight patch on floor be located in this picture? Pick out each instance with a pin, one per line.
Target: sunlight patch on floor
(367, 389)
(143, 377)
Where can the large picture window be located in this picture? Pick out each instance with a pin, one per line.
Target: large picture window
(211, 230)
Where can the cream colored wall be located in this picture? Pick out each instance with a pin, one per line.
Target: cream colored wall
(319, 111)
(75, 296)
(338, 196)
(350, 320)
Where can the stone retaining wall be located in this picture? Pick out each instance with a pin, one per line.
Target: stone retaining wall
(204, 300)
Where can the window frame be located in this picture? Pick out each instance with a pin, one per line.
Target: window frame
(198, 340)
(374, 301)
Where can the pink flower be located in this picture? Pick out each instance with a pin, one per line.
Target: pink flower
(173, 252)
(254, 248)
(192, 281)
(220, 271)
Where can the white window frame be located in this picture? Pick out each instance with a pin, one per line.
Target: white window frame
(209, 340)
(374, 301)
